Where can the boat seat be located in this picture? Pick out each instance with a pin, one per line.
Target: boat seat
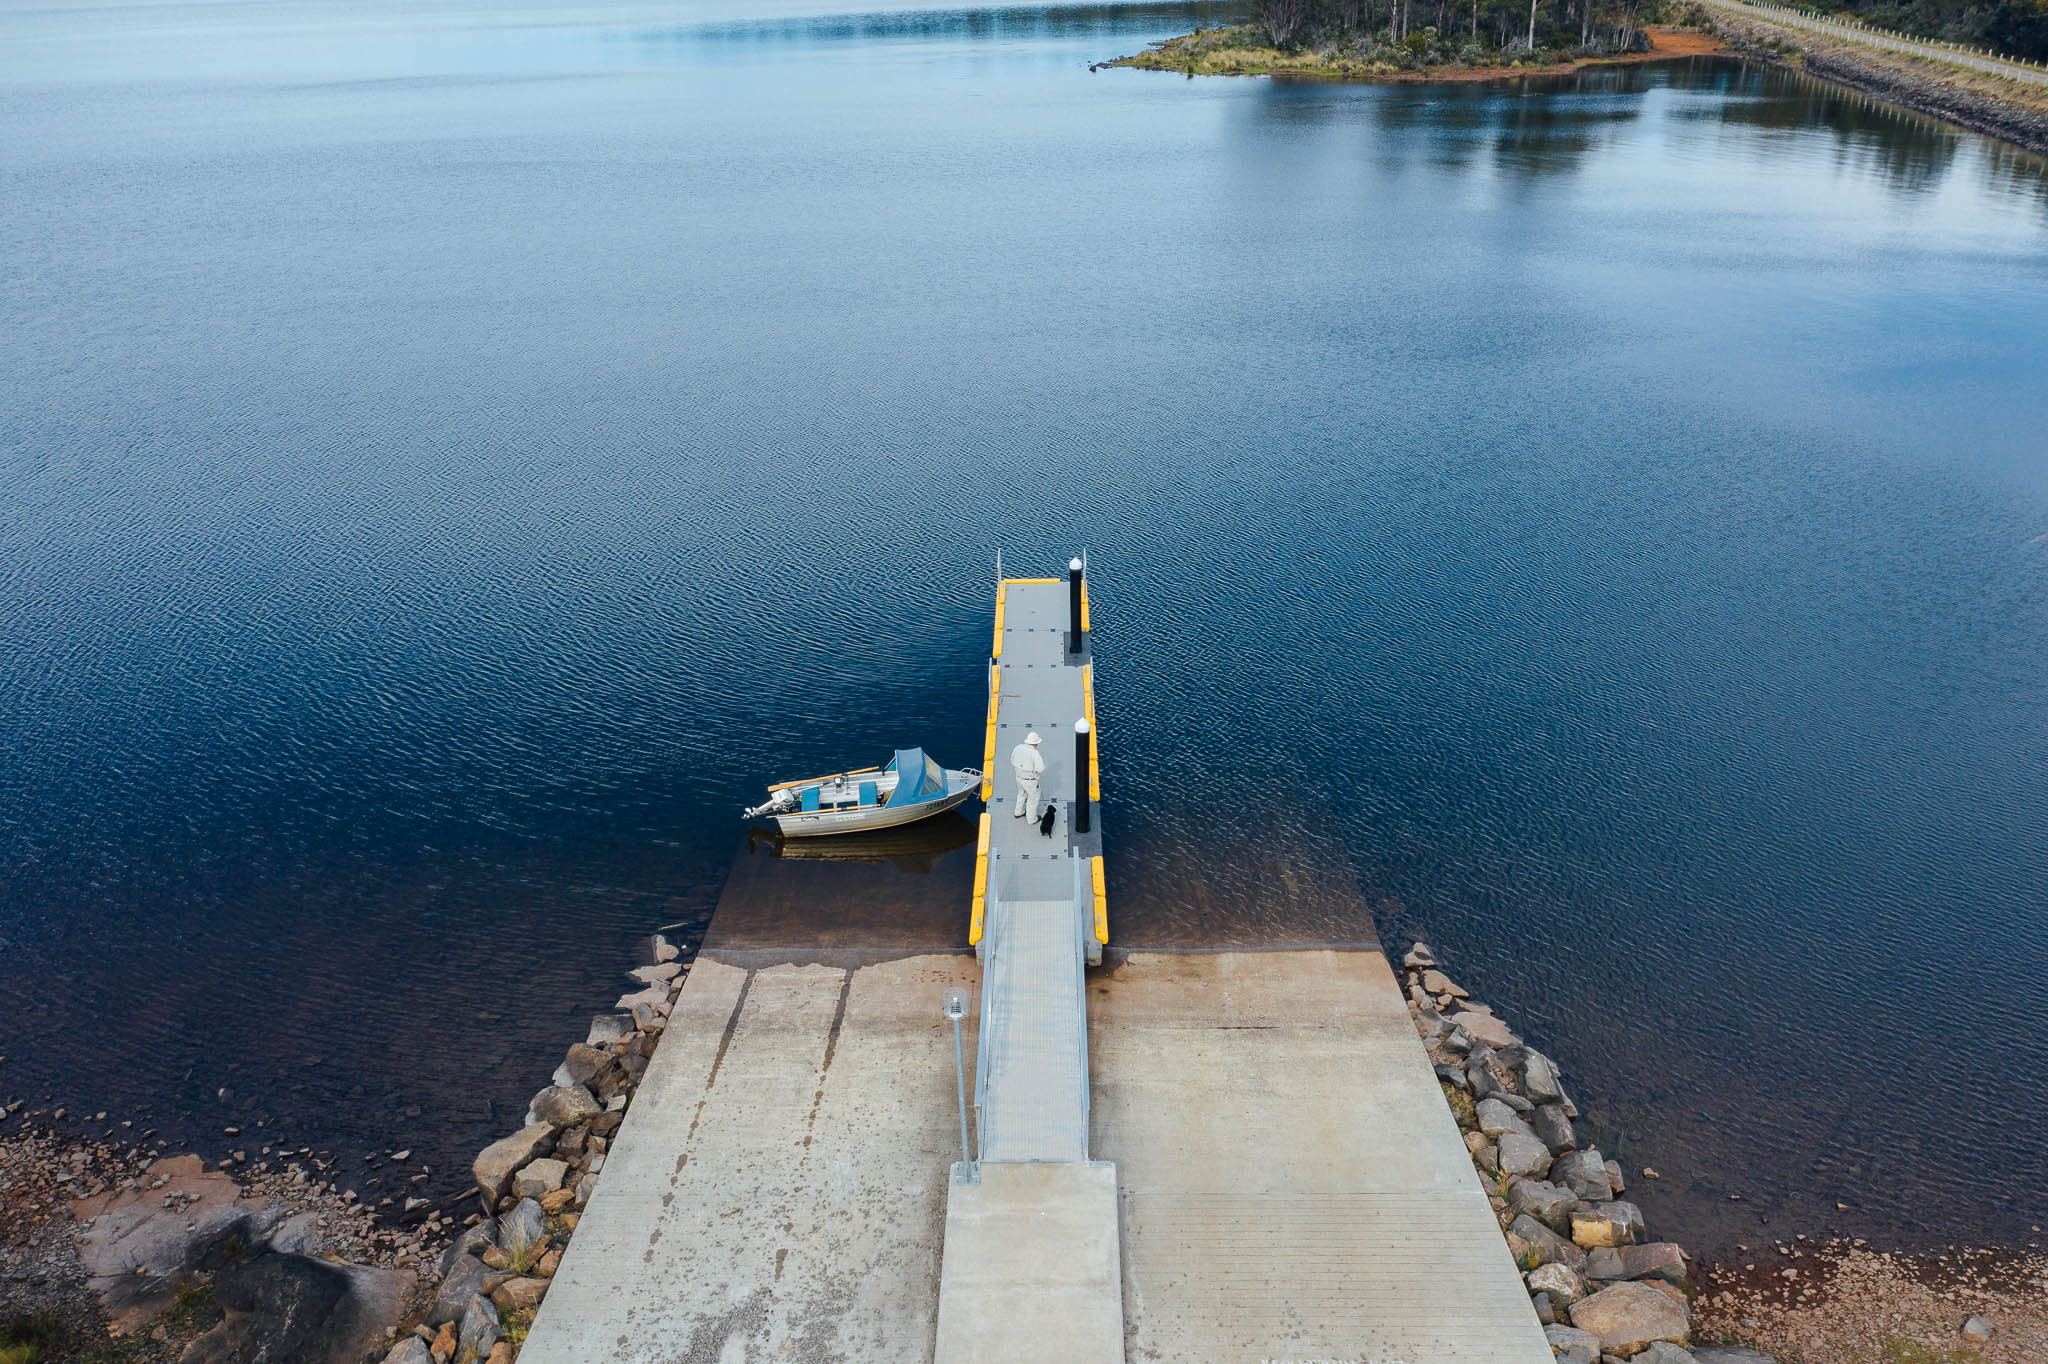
(867, 793)
(811, 799)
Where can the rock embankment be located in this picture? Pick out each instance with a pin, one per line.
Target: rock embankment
(533, 1184)
(1975, 100)
(1603, 1288)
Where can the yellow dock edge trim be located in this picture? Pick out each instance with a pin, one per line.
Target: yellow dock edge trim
(980, 883)
(1034, 580)
(988, 749)
(1094, 736)
(1101, 901)
(1084, 605)
(997, 651)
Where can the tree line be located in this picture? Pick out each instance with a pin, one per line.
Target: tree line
(2018, 28)
(1603, 26)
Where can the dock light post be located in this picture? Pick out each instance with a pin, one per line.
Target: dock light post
(1074, 605)
(1081, 774)
(956, 1009)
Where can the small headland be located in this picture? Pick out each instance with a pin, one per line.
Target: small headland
(1249, 50)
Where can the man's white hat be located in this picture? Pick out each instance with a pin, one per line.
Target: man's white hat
(1032, 738)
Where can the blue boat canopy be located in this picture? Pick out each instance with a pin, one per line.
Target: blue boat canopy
(918, 778)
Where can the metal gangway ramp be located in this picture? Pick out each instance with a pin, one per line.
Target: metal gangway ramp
(1031, 1265)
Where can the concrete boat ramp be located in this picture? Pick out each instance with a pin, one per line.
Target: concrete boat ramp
(1203, 1156)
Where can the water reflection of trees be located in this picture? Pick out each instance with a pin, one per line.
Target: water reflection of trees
(1910, 152)
(984, 23)
(1547, 125)
(1529, 127)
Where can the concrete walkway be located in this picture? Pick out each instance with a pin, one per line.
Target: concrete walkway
(778, 1189)
(1287, 1184)
(1293, 1185)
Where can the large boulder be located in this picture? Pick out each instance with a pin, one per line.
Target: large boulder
(1548, 1203)
(521, 1227)
(653, 996)
(292, 1307)
(1495, 1118)
(565, 1105)
(473, 1241)
(135, 1249)
(1571, 1345)
(1547, 1245)
(1585, 1174)
(1614, 1223)
(478, 1332)
(1664, 1352)
(1484, 1028)
(661, 973)
(1484, 1084)
(583, 1062)
(606, 1029)
(542, 1176)
(1520, 1155)
(1561, 1282)
(464, 1281)
(1539, 1079)
(497, 1163)
(1552, 1128)
(1628, 1317)
(1657, 1260)
(519, 1293)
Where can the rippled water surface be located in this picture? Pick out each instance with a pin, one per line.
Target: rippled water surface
(454, 455)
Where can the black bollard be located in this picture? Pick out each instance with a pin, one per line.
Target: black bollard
(1081, 777)
(1074, 605)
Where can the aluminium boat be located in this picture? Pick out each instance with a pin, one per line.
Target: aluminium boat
(911, 787)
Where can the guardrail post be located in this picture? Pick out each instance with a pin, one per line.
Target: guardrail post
(1074, 637)
(1082, 816)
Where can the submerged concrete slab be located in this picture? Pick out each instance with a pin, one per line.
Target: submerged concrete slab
(1292, 1183)
(778, 1190)
(1031, 1268)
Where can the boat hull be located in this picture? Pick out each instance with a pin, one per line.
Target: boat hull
(816, 823)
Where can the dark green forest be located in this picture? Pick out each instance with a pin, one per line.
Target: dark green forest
(2015, 27)
(1439, 29)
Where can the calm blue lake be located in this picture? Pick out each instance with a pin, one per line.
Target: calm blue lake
(452, 455)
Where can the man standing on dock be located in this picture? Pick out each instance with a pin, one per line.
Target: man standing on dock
(1028, 764)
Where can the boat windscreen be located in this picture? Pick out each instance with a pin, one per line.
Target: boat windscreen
(918, 778)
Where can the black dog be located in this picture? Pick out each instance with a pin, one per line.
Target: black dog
(1052, 812)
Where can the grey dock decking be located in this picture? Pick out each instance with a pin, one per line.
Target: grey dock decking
(1031, 1266)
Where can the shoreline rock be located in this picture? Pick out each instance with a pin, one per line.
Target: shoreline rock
(272, 1259)
(1600, 1287)
(533, 1184)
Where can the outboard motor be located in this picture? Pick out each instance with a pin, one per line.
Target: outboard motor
(780, 803)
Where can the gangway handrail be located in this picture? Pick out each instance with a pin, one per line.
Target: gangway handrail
(992, 943)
